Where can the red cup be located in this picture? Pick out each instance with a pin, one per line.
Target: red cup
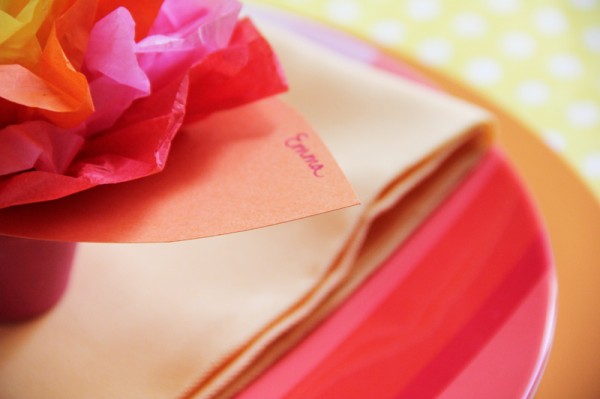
(33, 276)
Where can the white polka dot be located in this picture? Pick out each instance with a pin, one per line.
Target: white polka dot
(533, 92)
(565, 66)
(583, 113)
(344, 11)
(584, 4)
(483, 71)
(550, 21)
(591, 166)
(388, 32)
(423, 10)
(591, 38)
(518, 45)
(469, 24)
(555, 140)
(503, 6)
(435, 51)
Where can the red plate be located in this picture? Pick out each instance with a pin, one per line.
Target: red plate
(465, 308)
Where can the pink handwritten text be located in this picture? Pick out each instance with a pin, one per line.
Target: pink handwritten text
(297, 144)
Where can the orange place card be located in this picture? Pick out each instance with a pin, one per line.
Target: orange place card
(239, 169)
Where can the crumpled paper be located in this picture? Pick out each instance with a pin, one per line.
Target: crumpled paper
(94, 92)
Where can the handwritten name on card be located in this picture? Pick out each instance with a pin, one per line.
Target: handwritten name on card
(299, 145)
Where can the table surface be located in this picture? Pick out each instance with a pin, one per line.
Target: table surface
(539, 58)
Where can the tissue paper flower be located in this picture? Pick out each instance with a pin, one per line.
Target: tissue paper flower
(94, 91)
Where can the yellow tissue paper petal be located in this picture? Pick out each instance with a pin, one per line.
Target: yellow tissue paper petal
(20, 30)
(9, 25)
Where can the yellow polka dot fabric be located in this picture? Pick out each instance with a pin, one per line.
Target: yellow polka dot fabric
(538, 58)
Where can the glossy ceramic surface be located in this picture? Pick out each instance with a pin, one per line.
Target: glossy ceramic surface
(464, 309)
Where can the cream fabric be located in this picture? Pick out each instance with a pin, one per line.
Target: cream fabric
(202, 318)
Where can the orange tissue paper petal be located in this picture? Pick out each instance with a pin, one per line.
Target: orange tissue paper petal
(73, 29)
(21, 86)
(71, 85)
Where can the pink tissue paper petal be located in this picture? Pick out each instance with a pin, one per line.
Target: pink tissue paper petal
(215, 19)
(111, 51)
(204, 27)
(115, 84)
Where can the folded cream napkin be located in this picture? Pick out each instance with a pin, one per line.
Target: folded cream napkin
(201, 318)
